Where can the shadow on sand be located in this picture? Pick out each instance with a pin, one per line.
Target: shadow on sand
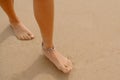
(42, 66)
(6, 33)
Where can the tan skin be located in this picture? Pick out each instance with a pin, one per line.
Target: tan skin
(18, 27)
(44, 15)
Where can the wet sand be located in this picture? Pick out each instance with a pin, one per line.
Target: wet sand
(86, 31)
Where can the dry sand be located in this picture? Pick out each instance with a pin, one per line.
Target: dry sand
(86, 31)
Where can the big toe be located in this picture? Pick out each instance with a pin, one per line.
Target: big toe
(68, 66)
(65, 68)
(31, 35)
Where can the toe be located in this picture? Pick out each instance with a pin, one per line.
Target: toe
(31, 35)
(18, 37)
(69, 63)
(28, 37)
(68, 67)
(21, 37)
(65, 69)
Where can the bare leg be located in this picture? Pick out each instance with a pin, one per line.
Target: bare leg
(18, 27)
(44, 14)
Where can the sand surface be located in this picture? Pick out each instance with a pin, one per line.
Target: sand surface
(86, 31)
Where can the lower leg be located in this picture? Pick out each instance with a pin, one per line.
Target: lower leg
(8, 7)
(44, 14)
(19, 28)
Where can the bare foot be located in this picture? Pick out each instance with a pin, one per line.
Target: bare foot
(21, 31)
(61, 62)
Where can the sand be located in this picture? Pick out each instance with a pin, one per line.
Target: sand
(86, 31)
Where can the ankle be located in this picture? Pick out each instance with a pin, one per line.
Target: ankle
(46, 46)
(14, 21)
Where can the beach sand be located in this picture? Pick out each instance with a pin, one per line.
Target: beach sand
(86, 31)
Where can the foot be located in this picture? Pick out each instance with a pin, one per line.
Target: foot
(61, 62)
(21, 31)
